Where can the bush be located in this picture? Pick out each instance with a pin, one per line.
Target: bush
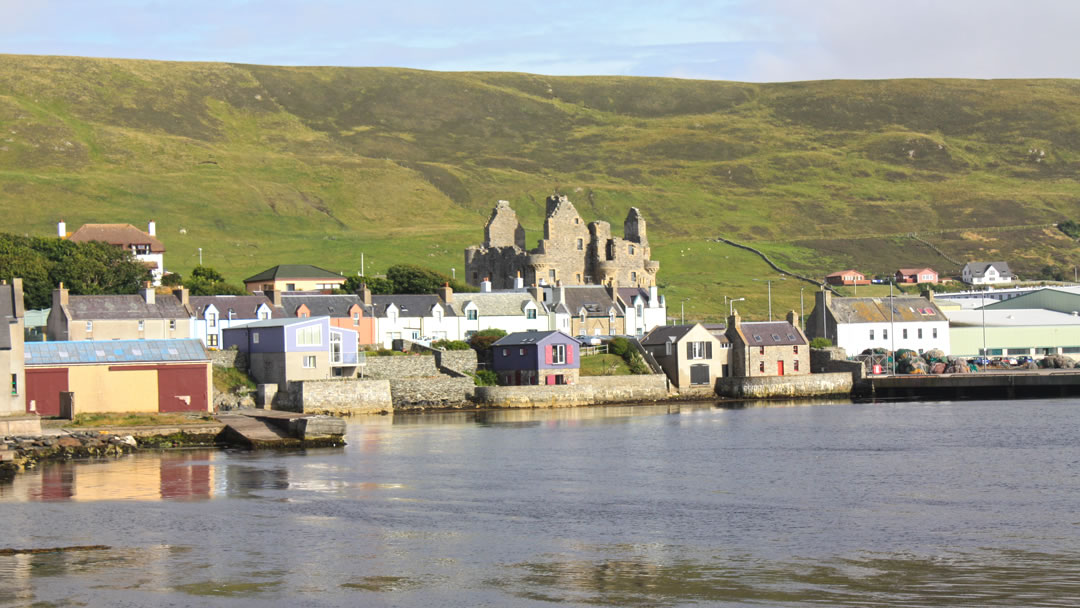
(620, 347)
(486, 377)
(483, 339)
(1070, 228)
(451, 345)
(821, 343)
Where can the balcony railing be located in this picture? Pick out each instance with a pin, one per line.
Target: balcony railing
(343, 359)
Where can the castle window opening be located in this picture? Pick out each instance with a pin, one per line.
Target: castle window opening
(633, 277)
(581, 244)
(551, 274)
(631, 249)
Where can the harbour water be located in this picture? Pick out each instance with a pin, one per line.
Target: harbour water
(900, 504)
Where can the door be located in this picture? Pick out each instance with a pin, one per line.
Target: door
(699, 374)
(182, 388)
(43, 388)
(779, 368)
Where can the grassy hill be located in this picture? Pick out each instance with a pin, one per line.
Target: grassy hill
(262, 165)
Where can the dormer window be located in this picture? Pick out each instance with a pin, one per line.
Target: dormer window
(530, 313)
(472, 314)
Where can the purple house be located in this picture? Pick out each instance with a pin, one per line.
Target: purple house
(536, 357)
(284, 350)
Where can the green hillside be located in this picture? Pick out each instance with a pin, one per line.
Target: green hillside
(263, 165)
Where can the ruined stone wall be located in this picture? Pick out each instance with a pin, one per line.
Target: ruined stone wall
(503, 228)
(766, 387)
(500, 264)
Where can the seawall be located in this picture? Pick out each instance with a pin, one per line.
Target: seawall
(590, 390)
(768, 387)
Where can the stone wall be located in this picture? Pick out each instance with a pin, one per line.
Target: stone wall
(339, 397)
(410, 366)
(766, 387)
(459, 361)
(435, 392)
(825, 360)
(229, 358)
(589, 391)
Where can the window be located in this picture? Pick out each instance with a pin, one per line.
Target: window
(309, 361)
(290, 287)
(920, 333)
(578, 277)
(506, 352)
(142, 325)
(551, 273)
(640, 311)
(211, 319)
(530, 313)
(558, 354)
(309, 336)
(633, 278)
(871, 334)
(761, 351)
(761, 366)
(935, 332)
(905, 334)
(667, 349)
(14, 384)
(211, 340)
(255, 337)
(698, 350)
(89, 327)
(264, 315)
(580, 244)
(172, 324)
(521, 352)
(471, 315)
(630, 249)
(583, 319)
(304, 314)
(796, 362)
(884, 334)
(795, 349)
(356, 318)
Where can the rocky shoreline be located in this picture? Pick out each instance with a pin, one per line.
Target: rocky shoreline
(21, 453)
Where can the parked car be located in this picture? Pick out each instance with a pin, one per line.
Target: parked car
(981, 361)
(1023, 360)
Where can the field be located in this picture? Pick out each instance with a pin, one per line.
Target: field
(262, 165)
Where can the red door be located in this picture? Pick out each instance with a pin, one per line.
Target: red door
(779, 368)
(182, 388)
(43, 388)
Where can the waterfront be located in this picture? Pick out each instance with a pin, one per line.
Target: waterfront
(897, 504)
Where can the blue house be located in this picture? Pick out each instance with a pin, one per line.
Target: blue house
(536, 357)
(284, 350)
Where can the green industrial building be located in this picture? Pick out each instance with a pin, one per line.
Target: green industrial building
(998, 329)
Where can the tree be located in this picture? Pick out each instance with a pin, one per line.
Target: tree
(483, 339)
(409, 278)
(821, 343)
(208, 274)
(1052, 273)
(375, 284)
(173, 279)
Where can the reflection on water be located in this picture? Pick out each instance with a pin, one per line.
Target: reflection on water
(899, 504)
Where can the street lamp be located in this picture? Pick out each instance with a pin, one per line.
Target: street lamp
(802, 310)
(682, 311)
(770, 299)
(731, 305)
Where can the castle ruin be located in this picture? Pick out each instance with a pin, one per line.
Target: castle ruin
(570, 253)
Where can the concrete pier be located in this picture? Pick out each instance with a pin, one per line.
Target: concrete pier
(269, 429)
(981, 385)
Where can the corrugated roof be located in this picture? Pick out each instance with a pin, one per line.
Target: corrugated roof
(294, 271)
(125, 307)
(113, 351)
(243, 307)
(771, 333)
(122, 235)
(876, 310)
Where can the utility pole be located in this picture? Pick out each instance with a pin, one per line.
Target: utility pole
(892, 328)
(362, 265)
(770, 299)
(200, 256)
(802, 310)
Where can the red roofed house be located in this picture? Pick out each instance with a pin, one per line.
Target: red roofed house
(144, 245)
(917, 275)
(846, 277)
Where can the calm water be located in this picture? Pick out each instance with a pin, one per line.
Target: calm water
(908, 504)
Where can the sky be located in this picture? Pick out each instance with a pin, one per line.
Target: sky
(746, 40)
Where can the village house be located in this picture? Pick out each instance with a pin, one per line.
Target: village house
(145, 316)
(118, 376)
(536, 357)
(857, 324)
(768, 348)
(11, 346)
(344, 310)
(290, 349)
(917, 275)
(411, 317)
(846, 277)
(294, 277)
(143, 245)
(645, 309)
(587, 310)
(987, 273)
(212, 314)
(511, 310)
(691, 356)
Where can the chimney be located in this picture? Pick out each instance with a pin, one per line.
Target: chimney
(534, 291)
(734, 321)
(17, 293)
(184, 295)
(274, 296)
(60, 297)
(654, 296)
(559, 294)
(928, 293)
(61, 229)
(147, 292)
(151, 228)
(445, 293)
(365, 294)
(793, 318)
(519, 283)
(485, 285)
(613, 288)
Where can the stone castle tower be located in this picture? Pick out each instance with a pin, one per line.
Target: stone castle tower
(571, 252)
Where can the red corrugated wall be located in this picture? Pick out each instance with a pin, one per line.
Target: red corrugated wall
(43, 387)
(175, 381)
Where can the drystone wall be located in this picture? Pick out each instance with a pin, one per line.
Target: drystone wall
(460, 361)
(229, 358)
(339, 397)
(589, 390)
(767, 387)
(390, 368)
(428, 393)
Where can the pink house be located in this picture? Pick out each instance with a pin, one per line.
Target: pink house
(916, 275)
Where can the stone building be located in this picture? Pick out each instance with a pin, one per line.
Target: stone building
(767, 348)
(571, 252)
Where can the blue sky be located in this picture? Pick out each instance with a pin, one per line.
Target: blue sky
(751, 40)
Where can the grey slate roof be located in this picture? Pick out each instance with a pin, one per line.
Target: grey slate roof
(523, 338)
(321, 305)
(113, 351)
(876, 310)
(978, 269)
(500, 303)
(410, 305)
(294, 271)
(125, 307)
(666, 333)
(629, 293)
(243, 307)
(593, 298)
(770, 333)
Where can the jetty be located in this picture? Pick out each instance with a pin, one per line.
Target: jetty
(259, 429)
(980, 385)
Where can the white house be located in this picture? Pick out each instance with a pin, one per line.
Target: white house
(987, 273)
(413, 317)
(511, 310)
(143, 245)
(645, 309)
(858, 324)
(214, 314)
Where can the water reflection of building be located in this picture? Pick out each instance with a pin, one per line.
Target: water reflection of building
(170, 475)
